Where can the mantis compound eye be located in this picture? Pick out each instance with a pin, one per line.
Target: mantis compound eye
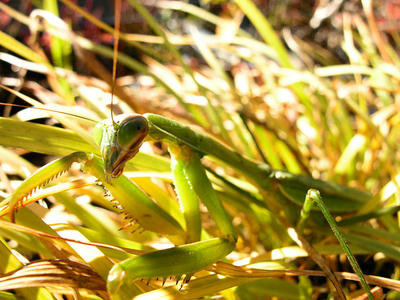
(132, 131)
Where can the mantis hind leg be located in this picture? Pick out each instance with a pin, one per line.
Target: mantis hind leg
(176, 261)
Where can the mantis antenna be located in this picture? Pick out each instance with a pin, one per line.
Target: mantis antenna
(46, 109)
(28, 99)
(117, 22)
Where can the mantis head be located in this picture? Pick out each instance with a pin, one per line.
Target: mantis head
(119, 141)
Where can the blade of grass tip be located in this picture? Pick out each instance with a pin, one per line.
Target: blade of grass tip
(314, 195)
(312, 252)
(61, 117)
(305, 213)
(53, 140)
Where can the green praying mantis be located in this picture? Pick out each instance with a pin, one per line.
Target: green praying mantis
(121, 139)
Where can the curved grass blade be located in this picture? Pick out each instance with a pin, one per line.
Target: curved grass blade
(8, 263)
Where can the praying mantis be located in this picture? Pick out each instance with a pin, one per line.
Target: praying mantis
(119, 141)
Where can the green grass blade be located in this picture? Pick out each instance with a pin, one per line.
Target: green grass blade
(365, 217)
(265, 30)
(314, 195)
(348, 160)
(61, 51)
(41, 138)
(267, 142)
(17, 47)
(374, 246)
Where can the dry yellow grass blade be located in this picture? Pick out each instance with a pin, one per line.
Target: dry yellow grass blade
(235, 271)
(20, 228)
(57, 272)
